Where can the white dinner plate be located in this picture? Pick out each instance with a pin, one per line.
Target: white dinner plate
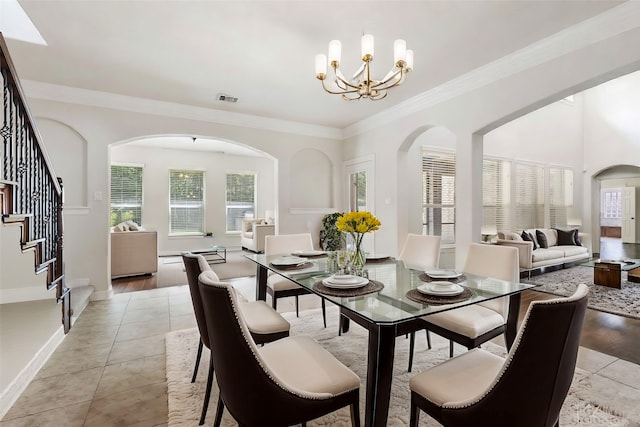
(343, 279)
(288, 261)
(376, 256)
(309, 252)
(360, 282)
(443, 274)
(430, 289)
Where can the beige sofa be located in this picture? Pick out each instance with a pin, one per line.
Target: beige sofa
(553, 254)
(253, 234)
(134, 253)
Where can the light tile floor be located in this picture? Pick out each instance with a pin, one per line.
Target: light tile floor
(110, 368)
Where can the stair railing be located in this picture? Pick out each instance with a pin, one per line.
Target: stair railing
(31, 195)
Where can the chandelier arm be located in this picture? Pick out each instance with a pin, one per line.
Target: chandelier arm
(346, 98)
(324, 86)
(346, 83)
(397, 76)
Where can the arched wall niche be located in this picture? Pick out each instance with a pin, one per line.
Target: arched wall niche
(313, 187)
(67, 150)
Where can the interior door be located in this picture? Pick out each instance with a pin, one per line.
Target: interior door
(358, 178)
(629, 215)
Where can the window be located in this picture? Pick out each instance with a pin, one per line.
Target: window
(438, 200)
(612, 204)
(496, 194)
(126, 194)
(529, 196)
(186, 202)
(241, 199)
(560, 195)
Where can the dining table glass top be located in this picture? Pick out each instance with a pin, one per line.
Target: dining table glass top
(391, 304)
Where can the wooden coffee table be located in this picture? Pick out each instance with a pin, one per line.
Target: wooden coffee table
(607, 272)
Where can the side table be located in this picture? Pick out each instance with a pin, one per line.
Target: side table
(607, 274)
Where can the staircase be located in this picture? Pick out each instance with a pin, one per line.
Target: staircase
(31, 195)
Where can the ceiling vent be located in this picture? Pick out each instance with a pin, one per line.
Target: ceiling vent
(226, 98)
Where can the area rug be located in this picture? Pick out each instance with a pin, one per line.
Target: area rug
(625, 301)
(593, 401)
(171, 269)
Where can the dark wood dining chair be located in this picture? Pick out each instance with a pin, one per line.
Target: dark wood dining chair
(283, 383)
(264, 323)
(525, 390)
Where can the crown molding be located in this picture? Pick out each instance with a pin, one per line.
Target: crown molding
(72, 95)
(608, 24)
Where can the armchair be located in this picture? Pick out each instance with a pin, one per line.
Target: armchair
(253, 234)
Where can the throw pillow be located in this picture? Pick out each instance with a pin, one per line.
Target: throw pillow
(565, 238)
(542, 239)
(576, 238)
(533, 239)
(133, 226)
(514, 236)
(529, 238)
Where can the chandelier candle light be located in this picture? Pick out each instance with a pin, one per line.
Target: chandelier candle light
(357, 224)
(361, 84)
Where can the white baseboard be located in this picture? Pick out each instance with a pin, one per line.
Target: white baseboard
(22, 380)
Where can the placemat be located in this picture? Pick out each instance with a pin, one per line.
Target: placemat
(379, 260)
(369, 288)
(293, 267)
(309, 256)
(426, 278)
(417, 296)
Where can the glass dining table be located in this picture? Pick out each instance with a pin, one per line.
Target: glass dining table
(388, 306)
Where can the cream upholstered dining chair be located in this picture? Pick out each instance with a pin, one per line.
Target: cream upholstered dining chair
(263, 322)
(526, 390)
(286, 382)
(279, 286)
(472, 325)
(420, 252)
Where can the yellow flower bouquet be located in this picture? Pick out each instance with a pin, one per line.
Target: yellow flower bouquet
(357, 224)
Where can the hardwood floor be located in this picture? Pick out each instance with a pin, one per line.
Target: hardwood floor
(604, 332)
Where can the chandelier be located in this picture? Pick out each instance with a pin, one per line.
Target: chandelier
(361, 85)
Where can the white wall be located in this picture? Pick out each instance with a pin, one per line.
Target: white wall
(86, 233)
(158, 161)
(478, 112)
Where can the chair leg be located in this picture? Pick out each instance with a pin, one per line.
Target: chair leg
(207, 394)
(219, 412)
(324, 313)
(195, 369)
(297, 312)
(450, 348)
(412, 344)
(274, 301)
(415, 415)
(355, 413)
(428, 339)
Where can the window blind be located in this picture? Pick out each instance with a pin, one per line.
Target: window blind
(186, 201)
(496, 194)
(126, 194)
(240, 199)
(560, 195)
(438, 200)
(529, 196)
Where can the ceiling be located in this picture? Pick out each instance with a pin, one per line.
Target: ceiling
(262, 52)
